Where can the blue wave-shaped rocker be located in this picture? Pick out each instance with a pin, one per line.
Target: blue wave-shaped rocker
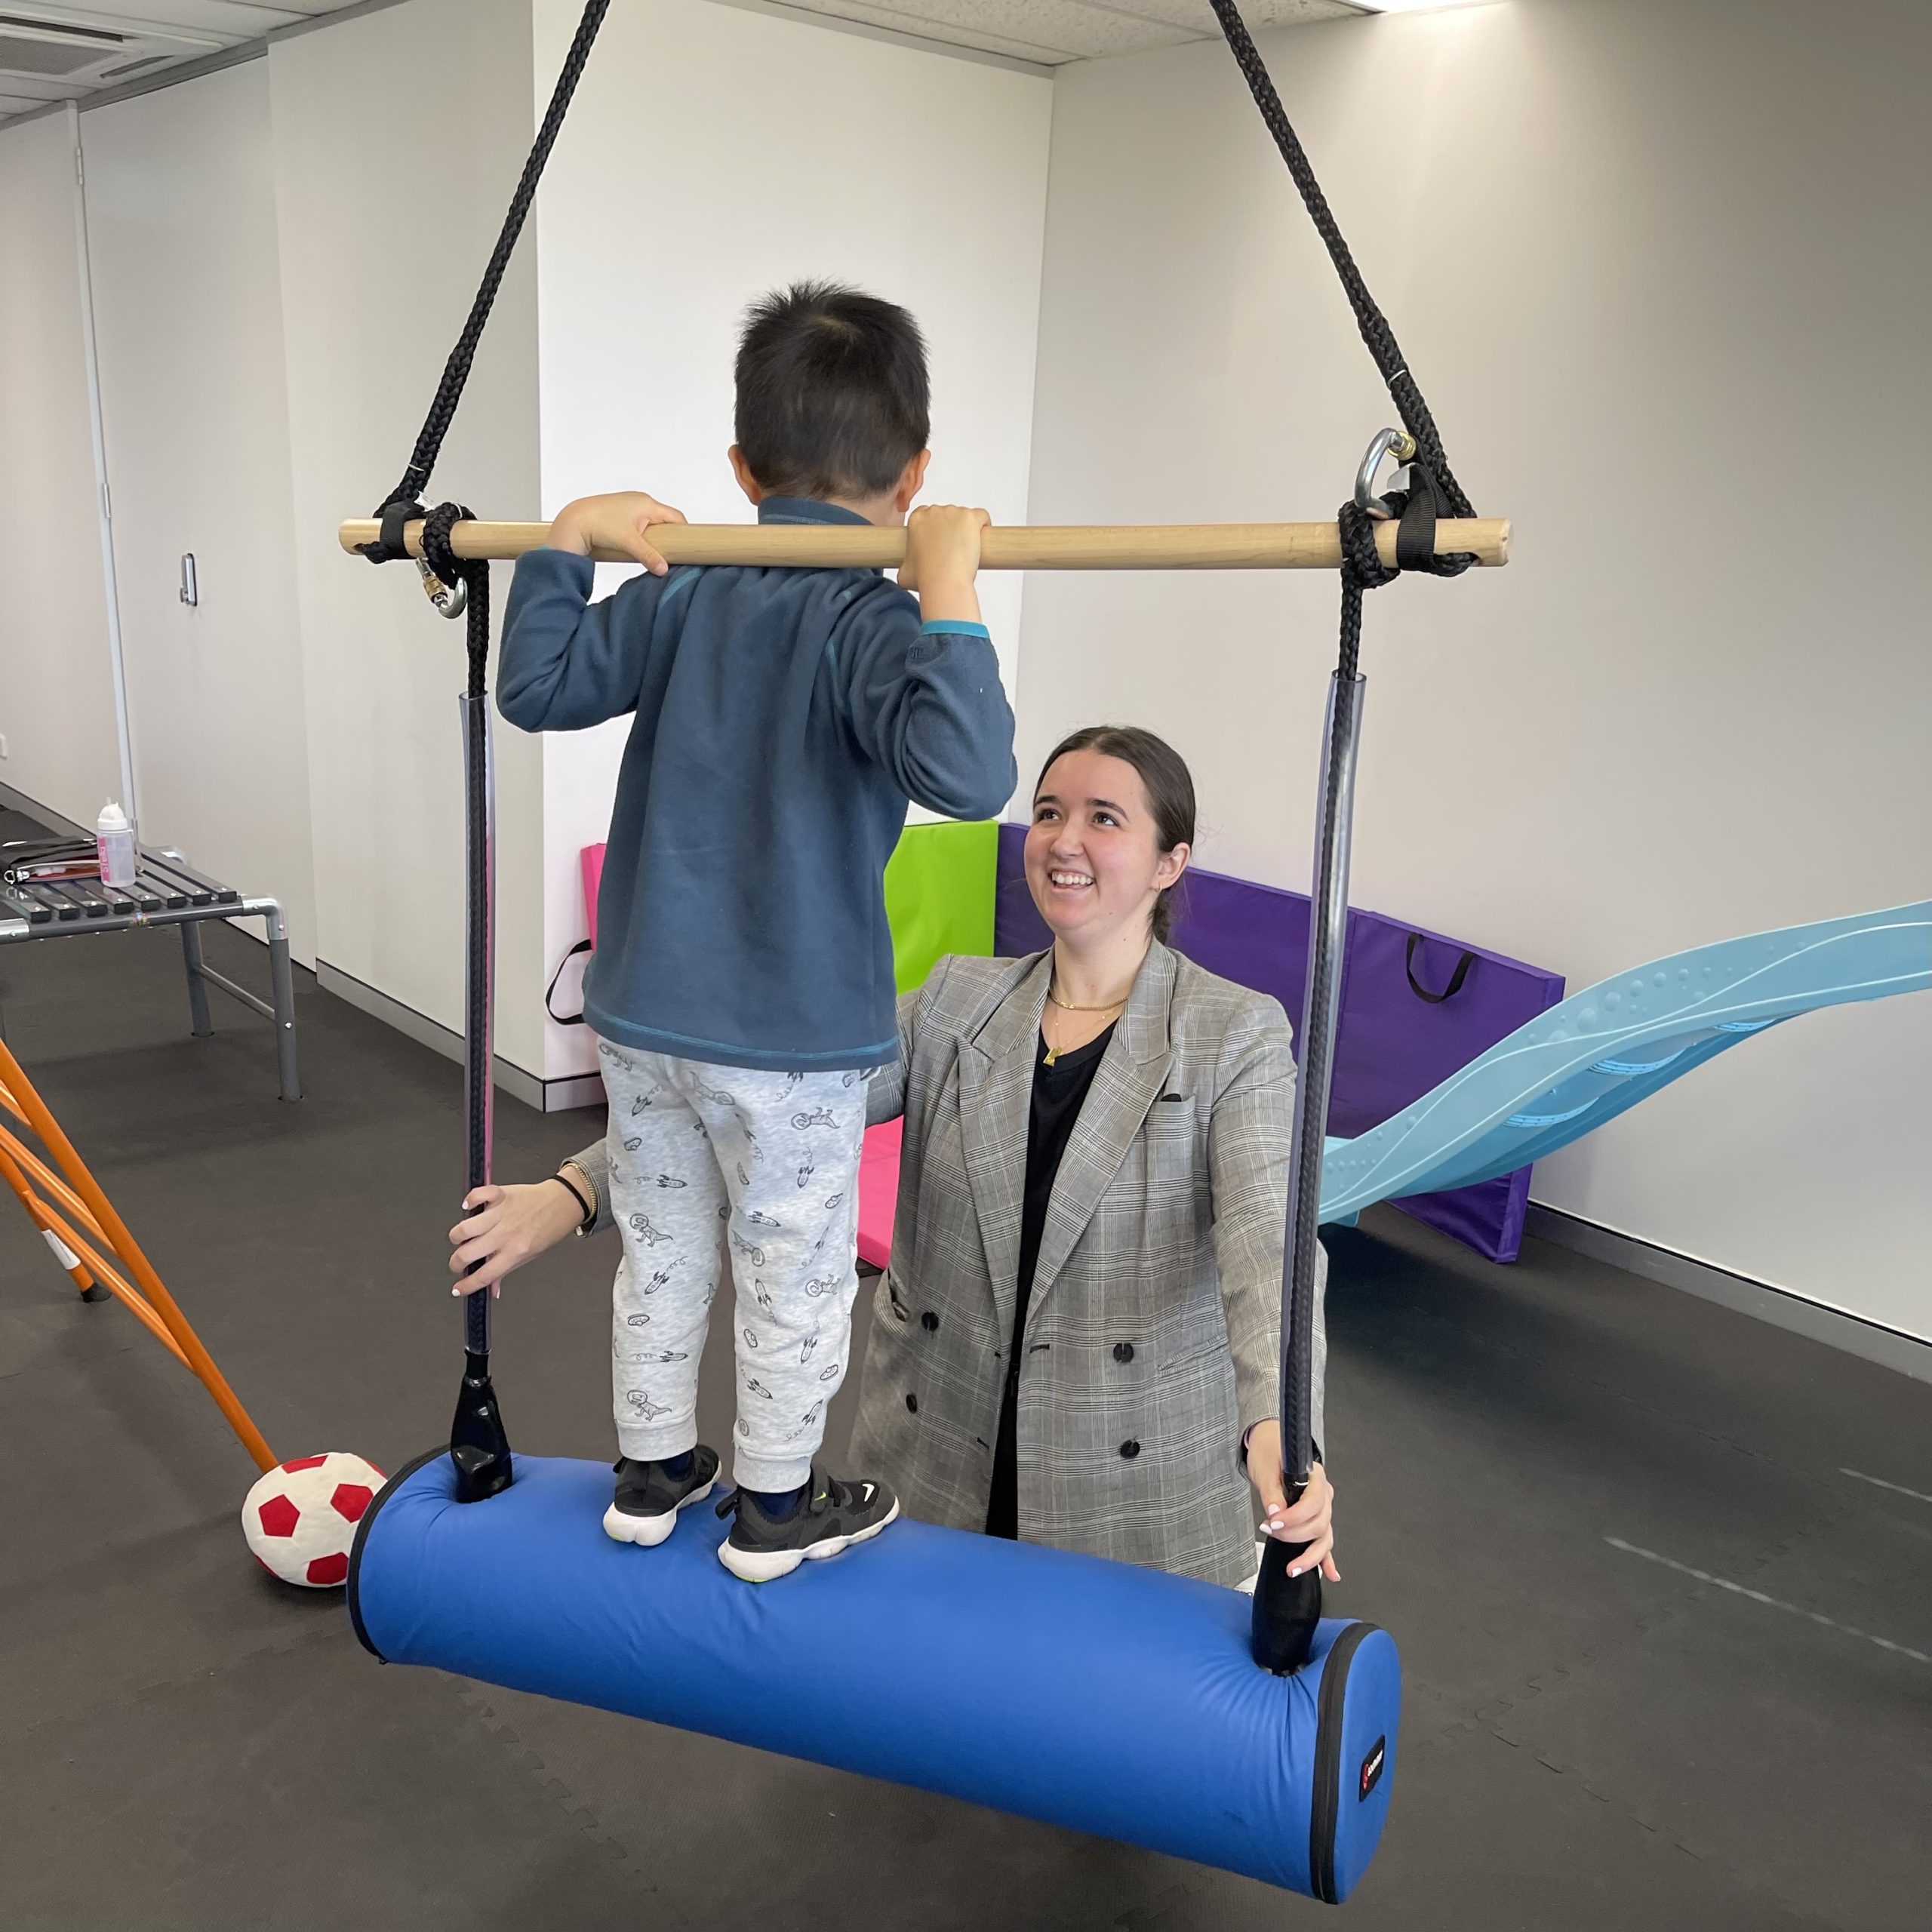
(1601, 1051)
(1086, 1693)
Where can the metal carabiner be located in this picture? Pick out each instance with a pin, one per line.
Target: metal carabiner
(451, 601)
(1396, 443)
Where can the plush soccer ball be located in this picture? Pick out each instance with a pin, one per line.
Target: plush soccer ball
(300, 1517)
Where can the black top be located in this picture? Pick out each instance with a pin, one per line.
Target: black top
(1059, 1091)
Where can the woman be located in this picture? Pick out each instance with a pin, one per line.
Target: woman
(1077, 1342)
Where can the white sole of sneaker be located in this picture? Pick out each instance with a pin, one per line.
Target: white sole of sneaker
(649, 1531)
(757, 1566)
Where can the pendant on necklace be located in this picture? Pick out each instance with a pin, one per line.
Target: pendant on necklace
(1053, 1055)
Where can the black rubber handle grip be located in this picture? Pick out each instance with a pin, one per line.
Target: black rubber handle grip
(479, 1446)
(1287, 1609)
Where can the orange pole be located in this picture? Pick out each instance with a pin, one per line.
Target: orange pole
(123, 1290)
(12, 1144)
(36, 1213)
(34, 1109)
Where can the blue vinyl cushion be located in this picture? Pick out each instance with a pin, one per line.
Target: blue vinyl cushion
(1111, 1700)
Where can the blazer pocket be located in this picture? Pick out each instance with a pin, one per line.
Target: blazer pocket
(1167, 1135)
(1194, 1356)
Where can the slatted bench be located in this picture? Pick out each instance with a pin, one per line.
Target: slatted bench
(167, 891)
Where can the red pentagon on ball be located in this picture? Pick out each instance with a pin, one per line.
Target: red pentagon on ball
(351, 1499)
(305, 1462)
(331, 1569)
(279, 1517)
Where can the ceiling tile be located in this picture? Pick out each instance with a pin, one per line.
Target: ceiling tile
(1198, 19)
(921, 18)
(1053, 31)
(224, 20)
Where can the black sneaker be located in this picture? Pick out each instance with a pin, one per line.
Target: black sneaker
(645, 1507)
(833, 1517)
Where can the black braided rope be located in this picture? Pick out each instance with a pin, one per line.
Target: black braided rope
(1362, 569)
(437, 526)
(1375, 332)
(415, 479)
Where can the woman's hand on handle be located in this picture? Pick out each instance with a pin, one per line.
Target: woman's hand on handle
(1310, 1521)
(506, 1227)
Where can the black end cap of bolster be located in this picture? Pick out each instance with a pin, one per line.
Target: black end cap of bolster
(363, 1529)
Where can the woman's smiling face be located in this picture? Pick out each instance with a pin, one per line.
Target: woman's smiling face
(1093, 861)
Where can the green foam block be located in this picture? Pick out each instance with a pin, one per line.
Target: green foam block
(939, 895)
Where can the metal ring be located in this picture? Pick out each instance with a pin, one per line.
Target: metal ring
(1398, 443)
(450, 600)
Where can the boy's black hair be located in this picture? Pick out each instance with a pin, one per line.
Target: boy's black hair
(833, 396)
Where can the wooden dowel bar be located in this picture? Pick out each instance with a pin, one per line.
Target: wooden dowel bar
(1186, 546)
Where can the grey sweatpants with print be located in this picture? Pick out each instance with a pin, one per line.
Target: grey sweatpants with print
(721, 1173)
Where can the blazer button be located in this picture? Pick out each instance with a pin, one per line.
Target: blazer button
(1123, 1352)
(1129, 1448)
(929, 1322)
(912, 1405)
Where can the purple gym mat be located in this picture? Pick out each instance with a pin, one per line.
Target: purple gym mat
(1415, 1006)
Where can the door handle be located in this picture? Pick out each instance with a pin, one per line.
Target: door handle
(191, 593)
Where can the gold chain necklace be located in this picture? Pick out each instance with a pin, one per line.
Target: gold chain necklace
(1065, 1007)
(1052, 999)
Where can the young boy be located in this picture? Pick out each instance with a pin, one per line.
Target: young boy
(742, 986)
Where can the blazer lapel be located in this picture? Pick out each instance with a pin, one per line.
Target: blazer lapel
(995, 1104)
(1126, 1084)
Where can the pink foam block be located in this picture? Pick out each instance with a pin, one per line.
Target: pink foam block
(879, 1192)
(592, 860)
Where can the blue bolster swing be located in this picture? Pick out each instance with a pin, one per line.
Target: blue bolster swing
(1251, 1733)
(1257, 1736)
(1134, 1711)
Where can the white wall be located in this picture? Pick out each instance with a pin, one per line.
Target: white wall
(1661, 269)
(181, 235)
(679, 191)
(57, 695)
(398, 138)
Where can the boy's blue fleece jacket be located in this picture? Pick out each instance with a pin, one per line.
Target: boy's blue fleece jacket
(782, 720)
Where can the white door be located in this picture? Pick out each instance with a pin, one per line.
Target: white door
(181, 234)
